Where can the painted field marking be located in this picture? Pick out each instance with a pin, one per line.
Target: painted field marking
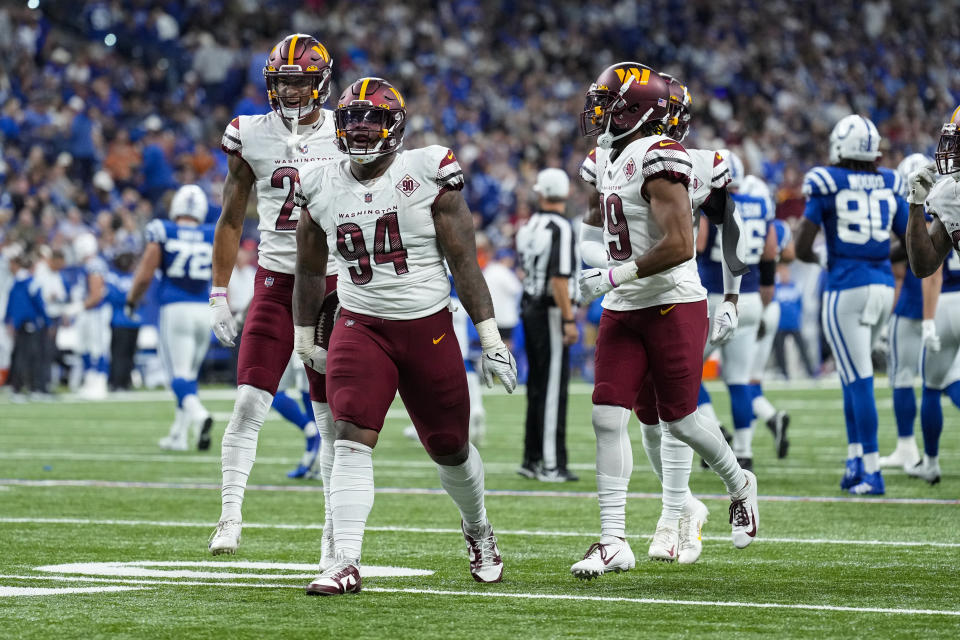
(445, 531)
(413, 491)
(524, 596)
(214, 570)
(8, 592)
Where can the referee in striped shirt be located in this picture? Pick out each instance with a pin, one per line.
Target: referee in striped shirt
(546, 245)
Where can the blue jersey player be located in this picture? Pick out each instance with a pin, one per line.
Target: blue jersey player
(92, 316)
(858, 205)
(756, 291)
(181, 251)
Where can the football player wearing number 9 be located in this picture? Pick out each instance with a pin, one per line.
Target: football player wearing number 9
(181, 249)
(393, 216)
(654, 323)
(858, 204)
(930, 249)
(270, 152)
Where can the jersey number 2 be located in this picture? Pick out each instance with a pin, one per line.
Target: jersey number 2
(616, 223)
(387, 247)
(277, 180)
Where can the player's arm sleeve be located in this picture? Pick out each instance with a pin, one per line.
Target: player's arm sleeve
(231, 141)
(449, 174)
(817, 185)
(588, 168)
(720, 176)
(155, 231)
(666, 160)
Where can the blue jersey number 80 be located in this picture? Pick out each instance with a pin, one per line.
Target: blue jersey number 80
(862, 216)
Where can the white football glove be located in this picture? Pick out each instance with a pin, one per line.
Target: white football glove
(929, 338)
(920, 182)
(594, 283)
(725, 322)
(496, 359)
(312, 354)
(221, 320)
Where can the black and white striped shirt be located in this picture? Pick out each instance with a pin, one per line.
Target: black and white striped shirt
(547, 249)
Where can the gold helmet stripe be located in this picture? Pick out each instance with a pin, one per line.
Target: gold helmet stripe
(953, 118)
(363, 89)
(293, 48)
(399, 97)
(322, 50)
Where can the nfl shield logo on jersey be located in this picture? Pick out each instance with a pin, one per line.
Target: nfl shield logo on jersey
(408, 185)
(368, 197)
(302, 148)
(268, 281)
(630, 169)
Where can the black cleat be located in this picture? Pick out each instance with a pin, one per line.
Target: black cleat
(529, 470)
(778, 427)
(203, 442)
(745, 463)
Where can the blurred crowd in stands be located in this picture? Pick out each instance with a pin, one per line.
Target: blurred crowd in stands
(106, 106)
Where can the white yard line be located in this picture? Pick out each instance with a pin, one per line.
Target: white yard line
(520, 596)
(317, 488)
(441, 530)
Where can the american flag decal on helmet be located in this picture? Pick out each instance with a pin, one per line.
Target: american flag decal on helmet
(661, 102)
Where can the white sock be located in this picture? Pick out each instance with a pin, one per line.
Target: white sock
(871, 462)
(179, 427)
(677, 460)
(855, 450)
(351, 495)
(931, 461)
(706, 410)
(324, 421)
(464, 484)
(614, 466)
(705, 438)
(906, 442)
(651, 444)
(239, 448)
(763, 409)
(194, 409)
(743, 442)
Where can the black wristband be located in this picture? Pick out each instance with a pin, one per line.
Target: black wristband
(768, 273)
(569, 321)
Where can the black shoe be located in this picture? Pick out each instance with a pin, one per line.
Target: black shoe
(556, 474)
(203, 442)
(529, 470)
(745, 463)
(778, 427)
(726, 436)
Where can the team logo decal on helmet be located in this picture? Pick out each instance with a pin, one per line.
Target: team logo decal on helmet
(854, 138)
(948, 149)
(298, 73)
(624, 97)
(370, 118)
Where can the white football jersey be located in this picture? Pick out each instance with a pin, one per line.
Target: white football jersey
(389, 261)
(710, 171)
(262, 141)
(943, 201)
(629, 230)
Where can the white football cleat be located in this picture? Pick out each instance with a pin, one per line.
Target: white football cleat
(328, 556)
(343, 577)
(665, 544)
(225, 538)
(486, 565)
(927, 469)
(173, 443)
(691, 526)
(610, 554)
(904, 456)
(745, 514)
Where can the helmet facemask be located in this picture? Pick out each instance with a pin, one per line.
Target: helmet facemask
(609, 107)
(948, 150)
(366, 132)
(296, 94)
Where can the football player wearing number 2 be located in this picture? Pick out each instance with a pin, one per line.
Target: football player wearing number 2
(654, 324)
(858, 204)
(393, 216)
(270, 152)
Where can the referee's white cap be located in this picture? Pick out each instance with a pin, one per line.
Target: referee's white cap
(552, 183)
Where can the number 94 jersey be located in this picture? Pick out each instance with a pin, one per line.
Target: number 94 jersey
(382, 232)
(187, 263)
(629, 230)
(857, 209)
(262, 142)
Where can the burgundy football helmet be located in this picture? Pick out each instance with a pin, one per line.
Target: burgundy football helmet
(370, 118)
(948, 149)
(624, 97)
(680, 102)
(298, 59)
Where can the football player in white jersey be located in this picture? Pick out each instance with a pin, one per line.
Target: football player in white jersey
(270, 152)
(654, 324)
(930, 249)
(710, 176)
(393, 216)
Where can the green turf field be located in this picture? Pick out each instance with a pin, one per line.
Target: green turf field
(83, 484)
